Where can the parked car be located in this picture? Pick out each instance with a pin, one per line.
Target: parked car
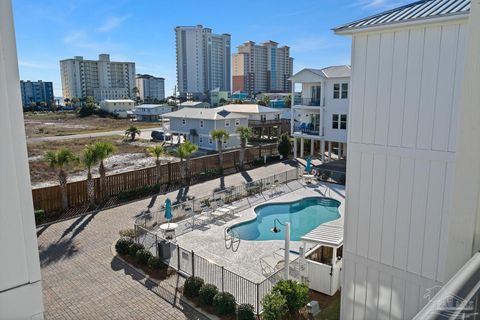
(160, 135)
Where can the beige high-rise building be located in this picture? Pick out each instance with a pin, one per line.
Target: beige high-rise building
(262, 68)
(101, 79)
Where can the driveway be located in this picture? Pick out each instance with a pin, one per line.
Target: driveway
(81, 279)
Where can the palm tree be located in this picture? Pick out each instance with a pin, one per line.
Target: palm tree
(156, 152)
(220, 135)
(245, 134)
(132, 131)
(59, 160)
(185, 151)
(103, 150)
(89, 159)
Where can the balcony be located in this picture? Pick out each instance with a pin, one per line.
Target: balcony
(268, 123)
(306, 129)
(307, 102)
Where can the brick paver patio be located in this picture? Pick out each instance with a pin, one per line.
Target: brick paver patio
(81, 279)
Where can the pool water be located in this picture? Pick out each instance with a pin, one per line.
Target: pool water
(304, 215)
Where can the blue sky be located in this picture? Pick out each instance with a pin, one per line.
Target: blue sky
(142, 30)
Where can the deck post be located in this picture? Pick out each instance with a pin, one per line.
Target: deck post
(223, 269)
(258, 299)
(178, 257)
(193, 264)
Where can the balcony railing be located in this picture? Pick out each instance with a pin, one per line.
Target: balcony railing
(273, 122)
(459, 298)
(306, 128)
(307, 102)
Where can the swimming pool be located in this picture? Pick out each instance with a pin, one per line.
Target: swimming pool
(304, 215)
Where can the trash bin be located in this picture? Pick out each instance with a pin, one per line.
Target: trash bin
(164, 251)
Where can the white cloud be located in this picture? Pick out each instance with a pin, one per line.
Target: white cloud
(377, 4)
(81, 40)
(111, 23)
(34, 64)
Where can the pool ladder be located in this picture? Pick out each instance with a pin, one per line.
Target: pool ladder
(232, 239)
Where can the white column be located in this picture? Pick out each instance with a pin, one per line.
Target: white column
(322, 150)
(344, 150)
(295, 151)
(302, 141)
(340, 150)
(287, 250)
(329, 151)
(312, 145)
(334, 256)
(292, 113)
(20, 283)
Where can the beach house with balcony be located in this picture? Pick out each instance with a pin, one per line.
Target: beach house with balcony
(319, 115)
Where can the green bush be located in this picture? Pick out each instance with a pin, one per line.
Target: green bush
(142, 256)
(274, 306)
(206, 294)
(134, 247)
(155, 263)
(39, 216)
(123, 245)
(245, 312)
(192, 286)
(295, 293)
(224, 303)
(128, 233)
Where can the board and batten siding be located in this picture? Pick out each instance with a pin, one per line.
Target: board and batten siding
(402, 140)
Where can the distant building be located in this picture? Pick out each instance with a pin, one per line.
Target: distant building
(36, 91)
(216, 96)
(203, 61)
(239, 95)
(151, 112)
(262, 68)
(150, 88)
(194, 104)
(121, 108)
(196, 125)
(101, 79)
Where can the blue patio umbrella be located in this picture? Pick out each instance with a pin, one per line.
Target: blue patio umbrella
(168, 210)
(308, 167)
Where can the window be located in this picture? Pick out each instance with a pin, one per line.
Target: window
(210, 141)
(200, 139)
(201, 123)
(277, 116)
(263, 117)
(334, 121)
(227, 123)
(184, 121)
(344, 90)
(343, 122)
(237, 123)
(336, 90)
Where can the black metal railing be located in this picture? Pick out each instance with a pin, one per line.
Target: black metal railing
(307, 102)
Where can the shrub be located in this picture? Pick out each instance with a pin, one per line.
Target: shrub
(192, 286)
(155, 262)
(39, 216)
(224, 303)
(245, 312)
(129, 233)
(274, 306)
(133, 248)
(142, 256)
(295, 293)
(285, 146)
(206, 294)
(123, 245)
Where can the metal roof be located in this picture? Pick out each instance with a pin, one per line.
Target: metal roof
(419, 10)
(343, 71)
(326, 234)
(207, 114)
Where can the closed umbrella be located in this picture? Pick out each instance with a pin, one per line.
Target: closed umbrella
(308, 167)
(168, 210)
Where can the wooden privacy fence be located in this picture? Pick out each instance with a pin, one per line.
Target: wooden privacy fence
(50, 199)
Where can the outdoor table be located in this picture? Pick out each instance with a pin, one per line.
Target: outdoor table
(168, 230)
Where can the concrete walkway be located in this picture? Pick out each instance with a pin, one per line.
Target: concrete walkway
(81, 279)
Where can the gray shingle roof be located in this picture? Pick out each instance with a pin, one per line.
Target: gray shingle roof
(330, 72)
(419, 10)
(207, 114)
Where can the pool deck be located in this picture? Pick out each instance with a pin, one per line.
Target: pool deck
(246, 261)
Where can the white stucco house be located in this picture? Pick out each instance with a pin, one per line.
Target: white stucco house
(320, 114)
(196, 124)
(151, 112)
(122, 108)
(412, 216)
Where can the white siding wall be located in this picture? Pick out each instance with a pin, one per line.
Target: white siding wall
(402, 136)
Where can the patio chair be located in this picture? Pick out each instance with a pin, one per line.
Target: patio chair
(303, 127)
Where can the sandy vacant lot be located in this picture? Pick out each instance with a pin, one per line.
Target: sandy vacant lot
(43, 124)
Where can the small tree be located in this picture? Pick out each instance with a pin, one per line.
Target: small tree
(285, 146)
(103, 150)
(245, 134)
(220, 135)
(156, 151)
(89, 159)
(274, 306)
(265, 101)
(60, 160)
(184, 152)
(288, 101)
(132, 131)
(295, 293)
